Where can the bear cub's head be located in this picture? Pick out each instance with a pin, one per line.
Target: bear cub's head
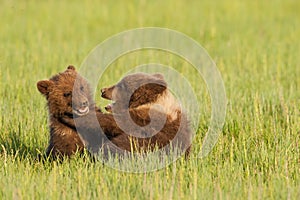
(67, 93)
(135, 90)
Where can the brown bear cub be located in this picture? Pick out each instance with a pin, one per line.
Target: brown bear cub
(68, 96)
(146, 115)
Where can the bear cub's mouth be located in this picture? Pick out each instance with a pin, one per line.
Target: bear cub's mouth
(81, 111)
(109, 107)
(106, 94)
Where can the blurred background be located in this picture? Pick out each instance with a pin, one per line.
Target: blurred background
(255, 45)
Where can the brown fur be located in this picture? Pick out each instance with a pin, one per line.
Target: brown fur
(59, 92)
(146, 91)
(137, 94)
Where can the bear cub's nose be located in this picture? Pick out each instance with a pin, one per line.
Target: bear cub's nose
(103, 92)
(84, 104)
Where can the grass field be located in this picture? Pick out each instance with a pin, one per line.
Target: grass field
(256, 47)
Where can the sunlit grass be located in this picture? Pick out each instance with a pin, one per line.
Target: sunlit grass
(256, 48)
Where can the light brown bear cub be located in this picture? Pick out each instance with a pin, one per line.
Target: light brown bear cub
(68, 96)
(144, 108)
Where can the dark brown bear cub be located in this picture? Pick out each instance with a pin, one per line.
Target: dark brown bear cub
(68, 96)
(147, 113)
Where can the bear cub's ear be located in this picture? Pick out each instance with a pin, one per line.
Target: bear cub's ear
(160, 80)
(159, 76)
(43, 86)
(71, 67)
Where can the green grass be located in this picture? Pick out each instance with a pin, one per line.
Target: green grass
(256, 48)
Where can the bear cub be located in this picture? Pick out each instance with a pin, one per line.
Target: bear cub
(68, 96)
(147, 113)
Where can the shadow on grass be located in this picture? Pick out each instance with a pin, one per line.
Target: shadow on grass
(13, 144)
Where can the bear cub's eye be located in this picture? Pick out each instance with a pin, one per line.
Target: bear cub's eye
(122, 86)
(67, 94)
(81, 88)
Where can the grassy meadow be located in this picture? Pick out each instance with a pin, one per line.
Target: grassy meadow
(255, 45)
